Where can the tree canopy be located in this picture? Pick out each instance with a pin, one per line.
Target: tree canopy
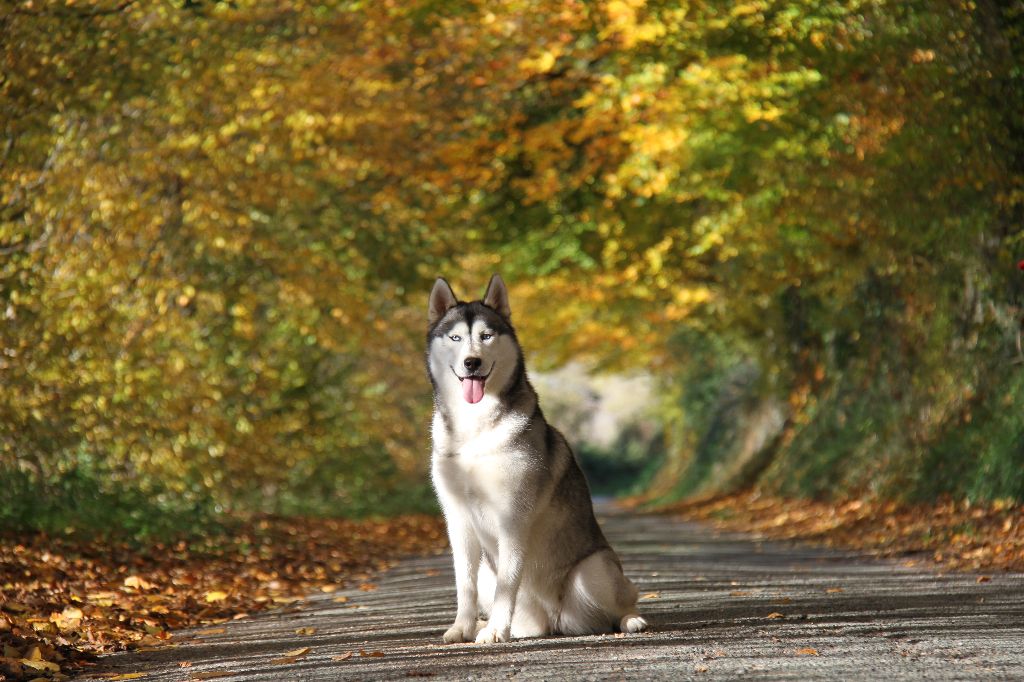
(219, 221)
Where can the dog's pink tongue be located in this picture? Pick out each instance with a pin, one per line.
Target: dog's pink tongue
(472, 389)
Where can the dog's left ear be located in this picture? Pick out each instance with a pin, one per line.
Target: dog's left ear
(497, 297)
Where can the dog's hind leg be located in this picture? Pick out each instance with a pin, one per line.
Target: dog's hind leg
(598, 598)
(530, 618)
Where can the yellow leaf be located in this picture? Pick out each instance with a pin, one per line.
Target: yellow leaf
(138, 582)
(215, 596)
(807, 651)
(297, 652)
(775, 614)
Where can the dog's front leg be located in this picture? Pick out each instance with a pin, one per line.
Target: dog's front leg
(510, 574)
(466, 555)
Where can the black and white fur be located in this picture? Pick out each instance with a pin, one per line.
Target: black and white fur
(527, 548)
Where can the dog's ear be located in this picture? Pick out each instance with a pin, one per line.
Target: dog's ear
(442, 299)
(497, 297)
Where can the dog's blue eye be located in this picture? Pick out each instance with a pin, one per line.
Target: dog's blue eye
(455, 338)
(485, 336)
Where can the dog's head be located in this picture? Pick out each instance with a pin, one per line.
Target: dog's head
(472, 351)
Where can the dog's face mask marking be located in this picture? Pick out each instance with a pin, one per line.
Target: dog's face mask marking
(476, 351)
(472, 347)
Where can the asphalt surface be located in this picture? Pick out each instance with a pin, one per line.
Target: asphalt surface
(720, 606)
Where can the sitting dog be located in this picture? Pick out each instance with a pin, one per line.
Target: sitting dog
(527, 548)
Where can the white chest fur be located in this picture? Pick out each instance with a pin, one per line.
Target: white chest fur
(477, 464)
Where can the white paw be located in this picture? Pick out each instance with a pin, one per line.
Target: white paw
(491, 635)
(632, 622)
(459, 633)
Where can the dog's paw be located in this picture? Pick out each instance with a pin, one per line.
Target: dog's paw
(491, 635)
(459, 633)
(632, 622)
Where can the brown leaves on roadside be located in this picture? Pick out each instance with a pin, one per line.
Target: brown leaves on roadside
(807, 651)
(66, 600)
(958, 535)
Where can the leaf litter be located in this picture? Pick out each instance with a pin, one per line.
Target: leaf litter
(953, 535)
(64, 600)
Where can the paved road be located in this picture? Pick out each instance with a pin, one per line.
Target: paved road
(720, 606)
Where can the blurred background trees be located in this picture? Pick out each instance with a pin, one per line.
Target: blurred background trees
(219, 221)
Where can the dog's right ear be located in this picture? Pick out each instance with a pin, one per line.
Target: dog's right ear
(442, 299)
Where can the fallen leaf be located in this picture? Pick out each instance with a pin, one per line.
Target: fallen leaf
(128, 676)
(807, 651)
(651, 595)
(983, 578)
(215, 596)
(138, 582)
(739, 593)
(833, 590)
(373, 654)
(343, 657)
(306, 631)
(302, 651)
(37, 664)
(368, 587)
(211, 675)
(340, 600)
(775, 614)
(701, 669)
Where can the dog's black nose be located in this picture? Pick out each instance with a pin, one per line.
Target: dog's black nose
(472, 364)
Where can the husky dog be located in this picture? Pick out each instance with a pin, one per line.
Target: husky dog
(526, 546)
